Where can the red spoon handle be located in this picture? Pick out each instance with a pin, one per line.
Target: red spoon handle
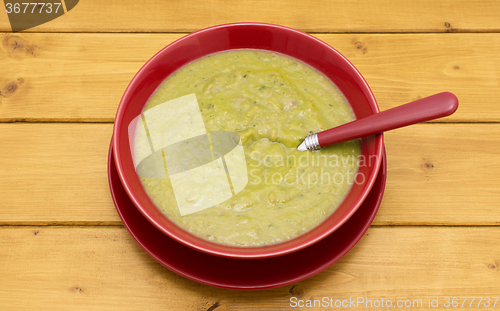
(425, 109)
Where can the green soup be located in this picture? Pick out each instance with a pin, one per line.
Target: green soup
(272, 102)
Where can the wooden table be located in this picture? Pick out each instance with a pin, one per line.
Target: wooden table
(63, 246)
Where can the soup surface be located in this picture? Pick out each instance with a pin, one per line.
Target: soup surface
(272, 102)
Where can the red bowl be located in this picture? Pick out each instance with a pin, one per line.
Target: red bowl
(275, 38)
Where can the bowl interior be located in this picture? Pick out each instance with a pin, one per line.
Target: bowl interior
(246, 36)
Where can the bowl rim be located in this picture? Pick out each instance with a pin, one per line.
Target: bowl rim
(190, 239)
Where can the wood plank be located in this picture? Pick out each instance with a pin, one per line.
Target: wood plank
(442, 174)
(438, 174)
(81, 77)
(313, 16)
(69, 77)
(89, 268)
(55, 172)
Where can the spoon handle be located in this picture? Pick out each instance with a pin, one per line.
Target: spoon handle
(425, 109)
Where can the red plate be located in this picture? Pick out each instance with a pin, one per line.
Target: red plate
(246, 274)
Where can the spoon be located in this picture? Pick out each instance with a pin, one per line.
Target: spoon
(425, 109)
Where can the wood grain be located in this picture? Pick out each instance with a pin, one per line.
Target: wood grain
(103, 268)
(53, 172)
(442, 174)
(69, 77)
(438, 174)
(81, 77)
(313, 16)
